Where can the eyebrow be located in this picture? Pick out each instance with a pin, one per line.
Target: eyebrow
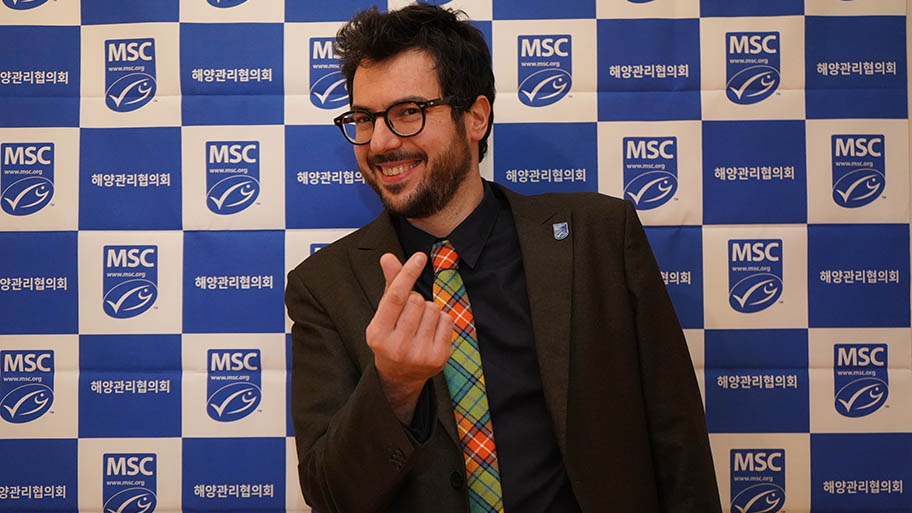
(411, 98)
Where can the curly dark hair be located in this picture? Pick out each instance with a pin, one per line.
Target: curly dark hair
(458, 48)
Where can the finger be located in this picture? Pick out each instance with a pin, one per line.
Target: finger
(397, 293)
(428, 326)
(410, 319)
(391, 266)
(443, 339)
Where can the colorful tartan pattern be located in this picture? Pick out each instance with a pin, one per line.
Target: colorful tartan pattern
(465, 381)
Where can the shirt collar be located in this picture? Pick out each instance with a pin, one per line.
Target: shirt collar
(469, 238)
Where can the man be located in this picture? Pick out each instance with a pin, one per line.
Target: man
(588, 401)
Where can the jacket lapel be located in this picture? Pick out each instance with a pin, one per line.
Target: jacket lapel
(380, 237)
(548, 265)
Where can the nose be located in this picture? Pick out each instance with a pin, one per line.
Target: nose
(383, 139)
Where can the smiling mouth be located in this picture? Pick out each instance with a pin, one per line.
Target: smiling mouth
(398, 169)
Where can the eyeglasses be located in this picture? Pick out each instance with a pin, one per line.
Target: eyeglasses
(404, 119)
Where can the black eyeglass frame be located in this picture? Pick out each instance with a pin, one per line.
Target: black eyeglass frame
(422, 104)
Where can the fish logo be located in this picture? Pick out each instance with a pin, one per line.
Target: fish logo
(26, 384)
(232, 175)
(129, 483)
(545, 69)
(327, 85)
(757, 480)
(755, 274)
(234, 383)
(22, 5)
(26, 177)
(650, 170)
(129, 73)
(752, 66)
(860, 378)
(225, 3)
(130, 278)
(859, 173)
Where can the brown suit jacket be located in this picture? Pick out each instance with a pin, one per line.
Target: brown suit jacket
(618, 380)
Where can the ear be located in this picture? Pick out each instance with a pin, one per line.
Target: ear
(477, 117)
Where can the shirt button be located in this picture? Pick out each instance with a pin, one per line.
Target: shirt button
(457, 480)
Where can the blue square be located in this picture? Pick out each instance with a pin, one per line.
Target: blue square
(234, 281)
(858, 276)
(532, 158)
(40, 462)
(42, 84)
(232, 73)
(38, 282)
(757, 381)
(870, 55)
(839, 460)
(129, 11)
(129, 386)
(679, 252)
(130, 178)
(324, 189)
(252, 462)
(754, 172)
(648, 70)
(751, 7)
(541, 9)
(326, 10)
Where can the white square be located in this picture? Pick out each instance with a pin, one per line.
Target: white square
(255, 11)
(625, 9)
(269, 417)
(580, 104)
(62, 213)
(894, 416)
(167, 469)
(299, 110)
(299, 244)
(267, 210)
(686, 206)
(788, 100)
(45, 13)
(789, 311)
(164, 316)
(892, 206)
(797, 449)
(696, 346)
(294, 499)
(476, 9)
(164, 109)
(844, 8)
(62, 419)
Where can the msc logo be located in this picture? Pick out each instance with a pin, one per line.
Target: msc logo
(757, 480)
(26, 384)
(232, 175)
(650, 170)
(234, 383)
(327, 85)
(129, 73)
(130, 280)
(751, 65)
(225, 3)
(545, 69)
(860, 378)
(129, 483)
(26, 177)
(754, 274)
(21, 5)
(859, 173)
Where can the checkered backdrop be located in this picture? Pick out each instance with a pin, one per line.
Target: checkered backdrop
(165, 163)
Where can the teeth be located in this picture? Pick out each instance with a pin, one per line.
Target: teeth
(393, 171)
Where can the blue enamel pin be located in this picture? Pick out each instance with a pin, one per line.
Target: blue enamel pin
(561, 230)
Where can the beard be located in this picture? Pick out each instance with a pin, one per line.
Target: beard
(437, 188)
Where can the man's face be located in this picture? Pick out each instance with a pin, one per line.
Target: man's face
(415, 176)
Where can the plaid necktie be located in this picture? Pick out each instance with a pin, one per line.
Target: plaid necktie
(466, 383)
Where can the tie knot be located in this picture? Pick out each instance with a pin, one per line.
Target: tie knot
(444, 256)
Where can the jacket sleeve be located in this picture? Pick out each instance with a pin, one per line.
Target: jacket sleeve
(685, 479)
(353, 453)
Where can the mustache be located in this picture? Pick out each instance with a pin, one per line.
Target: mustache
(395, 156)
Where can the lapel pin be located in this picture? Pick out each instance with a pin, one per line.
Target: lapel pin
(561, 230)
